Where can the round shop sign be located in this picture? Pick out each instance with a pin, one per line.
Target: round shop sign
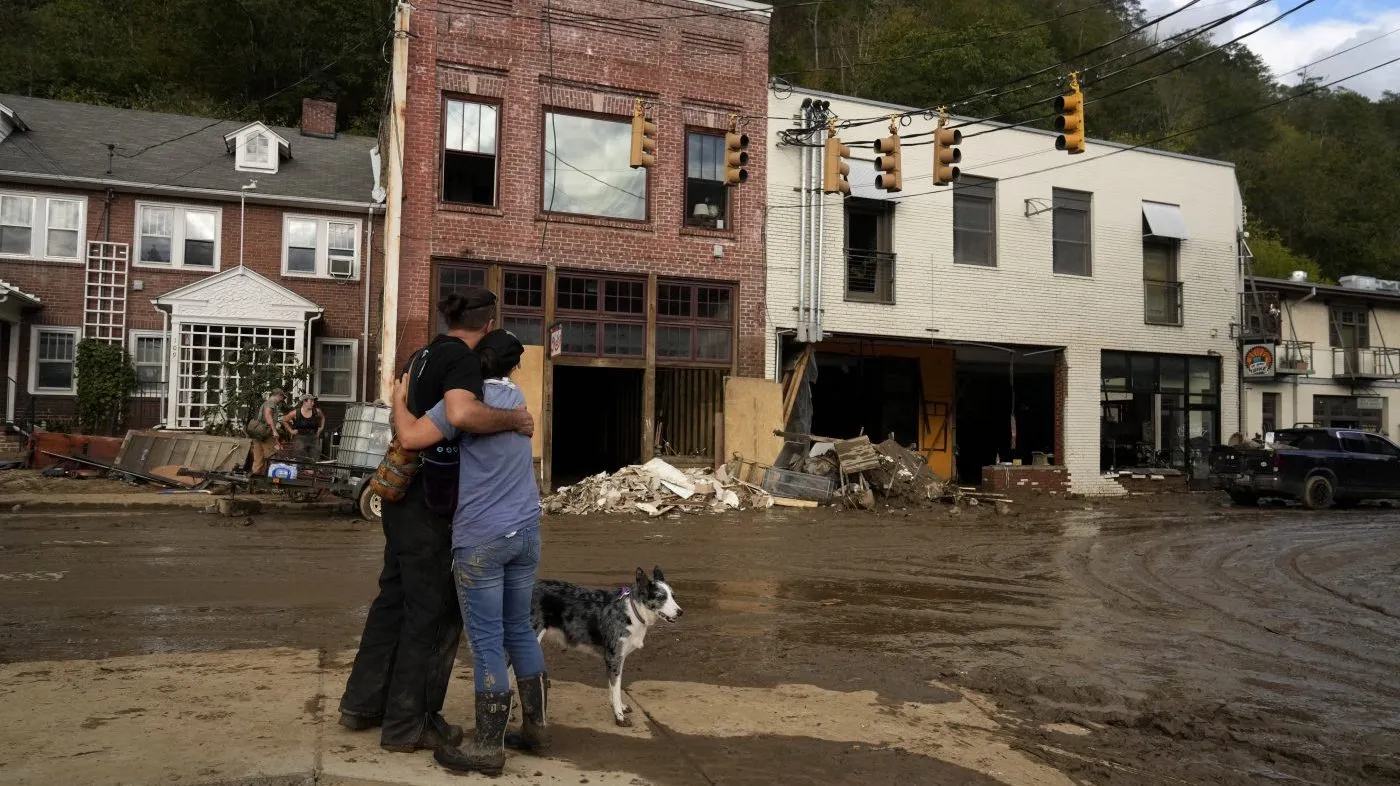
(1259, 360)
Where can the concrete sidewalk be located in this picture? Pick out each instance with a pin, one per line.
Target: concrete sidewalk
(269, 717)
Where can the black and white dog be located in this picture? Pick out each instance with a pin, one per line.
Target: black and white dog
(609, 623)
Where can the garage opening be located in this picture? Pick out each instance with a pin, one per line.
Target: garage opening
(597, 424)
(877, 396)
(986, 398)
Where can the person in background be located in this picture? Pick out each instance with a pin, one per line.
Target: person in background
(271, 442)
(306, 423)
(496, 555)
(401, 672)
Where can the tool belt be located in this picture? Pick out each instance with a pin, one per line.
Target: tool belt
(395, 472)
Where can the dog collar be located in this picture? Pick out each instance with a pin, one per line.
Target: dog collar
(624, 592)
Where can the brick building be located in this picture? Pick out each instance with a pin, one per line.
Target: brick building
(144, 229)
(654, 277)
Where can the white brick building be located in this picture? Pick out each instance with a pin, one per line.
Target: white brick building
(1321, 354)
(900, 304)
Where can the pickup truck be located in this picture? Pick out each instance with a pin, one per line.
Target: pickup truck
(1320, 467)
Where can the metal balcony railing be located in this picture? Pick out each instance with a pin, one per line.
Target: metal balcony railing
(1261, 316)
(1161, 302)
(1294, 357)
(1365, 363)
(869, 275)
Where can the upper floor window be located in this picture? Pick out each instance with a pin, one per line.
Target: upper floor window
(1349, 327)
(174, 236)
(323, 247)
(974, 221)
(586, 169)
(469, 152)
(256, 148)
(41, 227)
(1071, 235)
(256, 151)
(706, 197)
(870, 250)
(601, 316)
(1161, 285)
(694, 322)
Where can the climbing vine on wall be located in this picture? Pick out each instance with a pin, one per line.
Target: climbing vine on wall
(106, 380)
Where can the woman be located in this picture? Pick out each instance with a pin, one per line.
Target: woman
(306, 423)
(496, 553)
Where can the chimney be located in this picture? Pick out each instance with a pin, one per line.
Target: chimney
(318, 118)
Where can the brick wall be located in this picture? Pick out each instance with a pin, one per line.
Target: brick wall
(596, 55)
(60, 284)
(1025, 480)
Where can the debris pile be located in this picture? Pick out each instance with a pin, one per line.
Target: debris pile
(657, 488)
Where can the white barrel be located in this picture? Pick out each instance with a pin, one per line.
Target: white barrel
(364, 437)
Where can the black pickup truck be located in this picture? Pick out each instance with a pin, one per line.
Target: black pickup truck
(1320, 467)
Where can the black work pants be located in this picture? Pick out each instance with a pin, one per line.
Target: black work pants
(413, 628)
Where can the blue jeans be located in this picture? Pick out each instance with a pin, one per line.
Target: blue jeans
(495, 583)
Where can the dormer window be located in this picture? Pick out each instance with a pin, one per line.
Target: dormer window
(255, 151)
(257, 148)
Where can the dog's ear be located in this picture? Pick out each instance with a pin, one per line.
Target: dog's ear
(656, 574)
(641, 577)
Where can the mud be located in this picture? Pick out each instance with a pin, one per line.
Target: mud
(1163, 641)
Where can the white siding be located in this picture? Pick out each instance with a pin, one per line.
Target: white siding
(1021, 301)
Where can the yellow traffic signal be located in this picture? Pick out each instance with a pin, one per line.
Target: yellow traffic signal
(834, 179)
(1070, 123)
(643, 139)
(891, 178)
(945, 152)
(735, 158)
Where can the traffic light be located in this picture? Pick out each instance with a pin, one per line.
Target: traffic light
(834, 179)
(890, 178)
(643, 139)
(1070, 123)
(945, 152)
(735, 158)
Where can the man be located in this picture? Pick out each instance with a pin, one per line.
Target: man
(265, 447)
(410, 640)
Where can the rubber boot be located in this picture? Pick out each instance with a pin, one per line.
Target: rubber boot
(436, 733)
(534, 735)
(485, 751)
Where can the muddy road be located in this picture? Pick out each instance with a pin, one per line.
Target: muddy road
(1161, 642)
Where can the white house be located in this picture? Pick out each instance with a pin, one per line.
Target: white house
(1074, 310)
(1321, 354)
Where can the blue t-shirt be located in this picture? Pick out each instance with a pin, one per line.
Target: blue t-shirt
(496, 492)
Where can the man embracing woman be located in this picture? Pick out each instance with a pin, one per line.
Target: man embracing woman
(496, 555)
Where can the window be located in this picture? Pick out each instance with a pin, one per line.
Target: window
(148, 356)
(522, 305)
(601, 316)
(454, 278)
(1072, 253)
(694, 322)
(41, 227)
(1381, 446)
(51, 368)
(974, 221)
(1349, 327)
(1161, 288)
(181, 237)
(1269, 412)
(586, 168)
(203, 349)
(870, 257)
(706, 197)
(1347, 412)
(320, 247)
(335, 368)
(256, 152)
(469, 153)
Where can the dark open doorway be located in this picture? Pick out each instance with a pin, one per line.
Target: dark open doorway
(879, 395)
(597, 423)
(984, 406)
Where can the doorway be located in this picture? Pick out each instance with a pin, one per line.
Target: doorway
(877, 396)
(984, 415)
(597, 425)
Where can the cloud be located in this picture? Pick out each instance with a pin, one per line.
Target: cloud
(1306, 37)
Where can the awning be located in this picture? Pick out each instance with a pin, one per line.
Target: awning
(1164, 220)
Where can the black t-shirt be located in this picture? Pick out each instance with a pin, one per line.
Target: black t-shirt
(451, 365)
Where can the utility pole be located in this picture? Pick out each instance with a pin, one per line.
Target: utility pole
(393, 205)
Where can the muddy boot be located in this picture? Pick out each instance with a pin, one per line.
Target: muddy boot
(355, 722)
(484, 752)
(534, 736)
(436, 733)
(448, 732)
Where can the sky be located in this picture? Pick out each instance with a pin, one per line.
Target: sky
(1322, 28)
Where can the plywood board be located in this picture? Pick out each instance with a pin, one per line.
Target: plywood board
(530, 379)
(753, 408)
